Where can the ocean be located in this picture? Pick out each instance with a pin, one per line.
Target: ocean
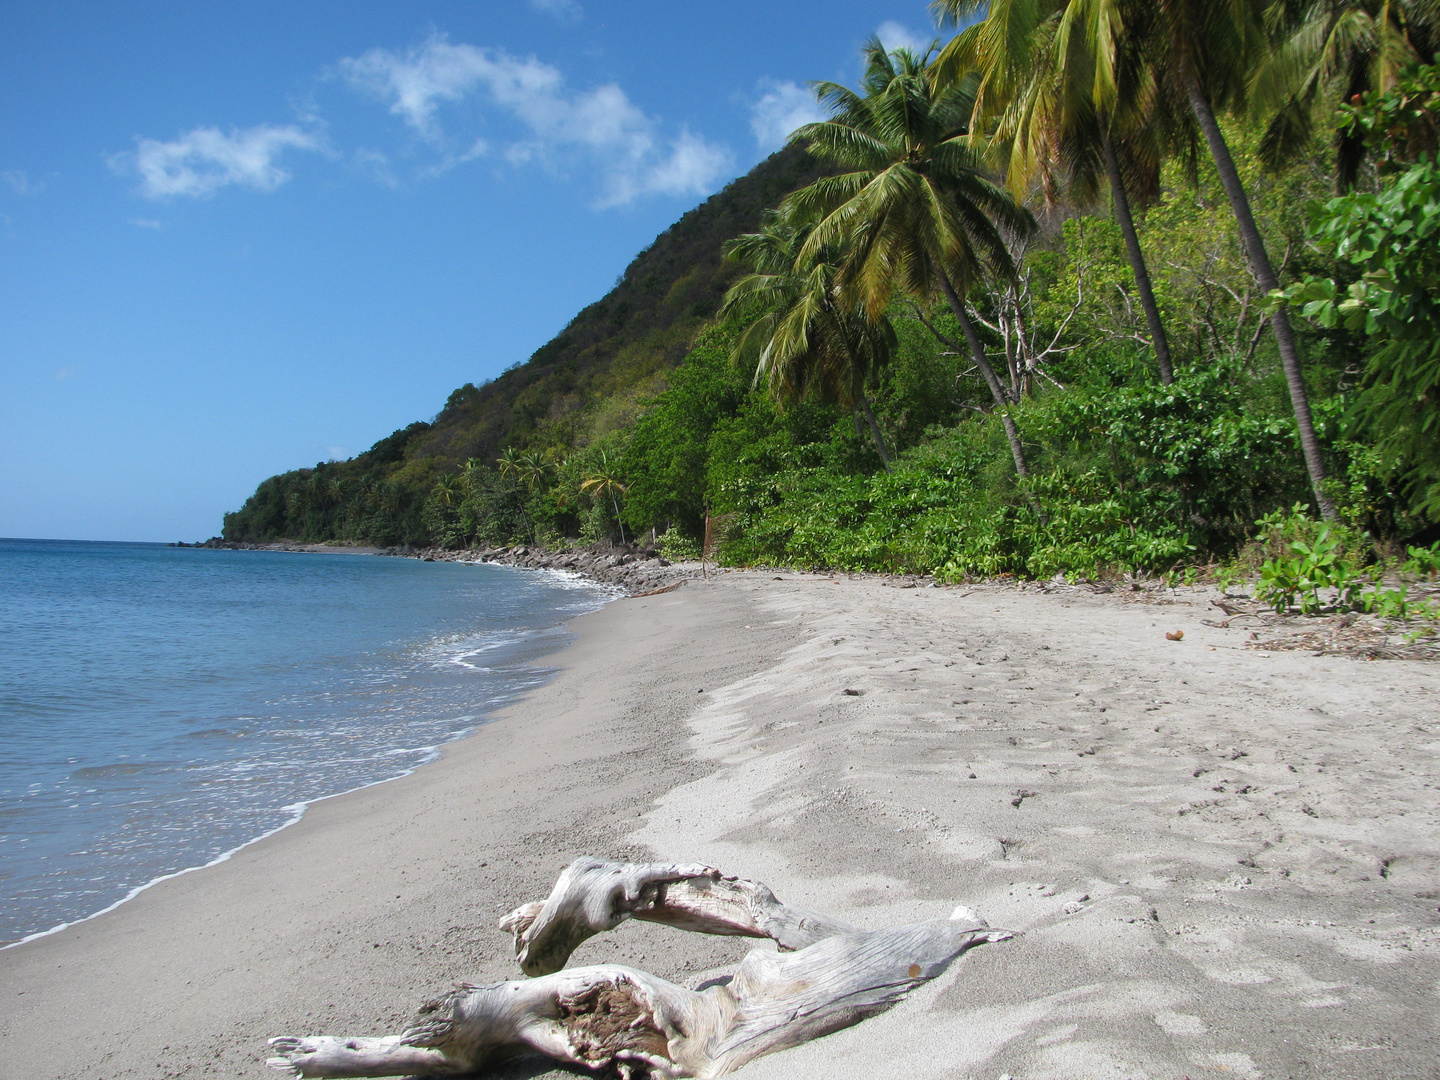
(161, 707)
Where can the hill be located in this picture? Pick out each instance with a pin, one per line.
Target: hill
(634, 421)
(589, 377)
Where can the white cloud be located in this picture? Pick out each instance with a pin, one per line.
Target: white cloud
(602, 124)
(782, 108)
(567, 10)
(895, 36)
(691, 167)
(17, 181)
(416, 82)
(205, 159)
(63, 374)
(145, 223)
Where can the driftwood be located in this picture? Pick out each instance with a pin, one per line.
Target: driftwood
(593, 896)
(1235, 611)
(639, 1024)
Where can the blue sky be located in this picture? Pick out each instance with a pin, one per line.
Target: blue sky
(237, 239)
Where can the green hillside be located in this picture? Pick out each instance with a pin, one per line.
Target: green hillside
(639, 330)
(591, 375)
(903, 369)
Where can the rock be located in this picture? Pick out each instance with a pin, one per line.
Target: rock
(634, 571)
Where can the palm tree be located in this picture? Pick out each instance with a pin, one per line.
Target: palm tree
(1062, 91)
(916, 212)
(1203, 52)
(1329, 51)
(471, 472)
(807, 338)
(449, 491)
(530, 469)
(605, 481)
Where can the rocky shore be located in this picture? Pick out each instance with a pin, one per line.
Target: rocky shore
(633, 570)
(636, 571)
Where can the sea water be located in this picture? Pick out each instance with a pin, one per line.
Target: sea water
(161, 707)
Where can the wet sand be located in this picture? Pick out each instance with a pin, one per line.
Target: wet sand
(1222, 862)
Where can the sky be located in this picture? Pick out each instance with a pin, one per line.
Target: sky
(242, 238)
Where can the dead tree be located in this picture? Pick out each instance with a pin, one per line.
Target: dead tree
(827, 976)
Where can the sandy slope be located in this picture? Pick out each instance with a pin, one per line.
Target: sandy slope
(1214, 860)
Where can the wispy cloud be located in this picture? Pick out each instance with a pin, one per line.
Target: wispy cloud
(64, 374)
(415, 83)
(205, 159)
(602, 125)
(689, 166)
(566, 10)
(20, 183)
(146, 223)
(781, 108)
(894, 35)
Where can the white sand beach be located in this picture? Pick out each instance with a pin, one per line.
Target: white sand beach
(1220, 861)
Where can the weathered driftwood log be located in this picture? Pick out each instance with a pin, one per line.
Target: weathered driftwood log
(593, 896)
(637, 1023)
(616, 1016)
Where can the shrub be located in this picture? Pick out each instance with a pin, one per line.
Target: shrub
(677, 547)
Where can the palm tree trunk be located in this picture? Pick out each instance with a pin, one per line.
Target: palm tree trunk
(977, 353)
(1265, 276)
(1158, 337)
(875, 430)
(616, 507)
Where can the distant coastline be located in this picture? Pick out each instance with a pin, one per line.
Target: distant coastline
(332, 547)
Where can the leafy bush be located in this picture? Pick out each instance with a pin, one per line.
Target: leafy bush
(1307, 569)
(1127, 479)
(677, 547)
(1321, 566)
(1423, 562)
(1392, 237)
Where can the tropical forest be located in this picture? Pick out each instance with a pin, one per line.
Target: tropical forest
(1090, 287)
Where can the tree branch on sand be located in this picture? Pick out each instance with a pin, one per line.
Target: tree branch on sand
(827, 976)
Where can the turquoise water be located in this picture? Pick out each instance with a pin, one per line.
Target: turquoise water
(160, 707)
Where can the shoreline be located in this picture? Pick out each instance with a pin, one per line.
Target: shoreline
(297, 815)
(297, 810)
(225, 914)
(1217, 857)
(633, 570)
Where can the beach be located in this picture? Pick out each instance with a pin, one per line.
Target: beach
(1220, 860)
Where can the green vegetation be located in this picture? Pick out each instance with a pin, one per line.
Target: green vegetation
(1000, 315)
(1391, 236)
(1317, 566)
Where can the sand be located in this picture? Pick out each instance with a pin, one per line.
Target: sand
(1221, 861)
